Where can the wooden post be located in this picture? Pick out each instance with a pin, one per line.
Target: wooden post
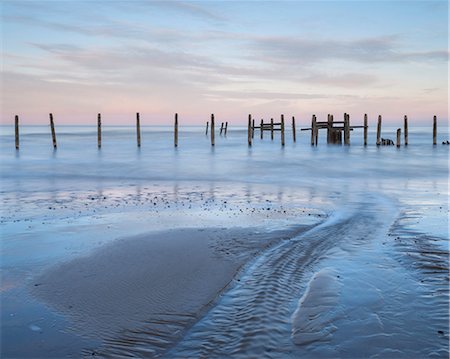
(294, 137)
(175, 134)
(249, 130)
(16, 125)
(282, 130)
(316, 132)
(261, 128)
(366, 126)
(138, 129)
(346, 129)
(405, 128)
(212, 129)
(271, 129)
(253, 128)
(221, 129)
(226, 128)
(399, 134)
(434, 129)
(313, 130)
(207, 125)
(52, 126)
(99, 130)
(329, 128)
(379, 131)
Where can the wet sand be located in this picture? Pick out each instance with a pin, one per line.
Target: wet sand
(138, 295)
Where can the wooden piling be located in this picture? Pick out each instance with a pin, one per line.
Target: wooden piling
(221, 128)
(261, 128)
(329, 128)
(253, 128)
(249, 130)
(175, 133)
(366, 126)
(434, 129)
(313, 130)
(379, 131)
(138, 129)
(399, 135)
(271, 129)
(316, 133)
(16, 126)
(294, 135)
(99, 130)
(52, 127)
(282, 130)
(346, 129)
(226, 128)
(212, 129)
(207, 125)
(405, 129)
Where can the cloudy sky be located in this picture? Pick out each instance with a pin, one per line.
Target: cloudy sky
(77, 58)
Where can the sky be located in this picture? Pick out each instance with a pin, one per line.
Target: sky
(231, 58)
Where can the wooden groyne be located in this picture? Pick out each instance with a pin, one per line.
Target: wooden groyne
(52, 128)
(338, 132)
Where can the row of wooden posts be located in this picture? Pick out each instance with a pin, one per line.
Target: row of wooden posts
(335, 129)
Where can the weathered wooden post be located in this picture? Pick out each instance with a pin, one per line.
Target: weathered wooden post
(253, 128)
(366, 126)
(16, 126)
(138, 129)
(261, 128)
(226, 128)
(405, 128)
(99, 130)
(434, 129)
(249, 130)
(294, 135)
(399, 134)
(316, 135)
(313, 130)
(175, 134)
(271, 128)
(221, 128)
(282, 130)
(329, 128)
(212, 129)
(379, 131)
(52, 127)
(207, 125)
(346, 129)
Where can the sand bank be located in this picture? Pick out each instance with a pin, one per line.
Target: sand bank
(149, 288)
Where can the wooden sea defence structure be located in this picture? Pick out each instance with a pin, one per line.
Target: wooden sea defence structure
(366, 127)
(405, 129)
(99, 130)
(52, 127)
(16, 131)
(266, 126)
(175, 131)
(379, 131)
(434, 130)
(249, 130)
(212, 130)
(138, 130)
(294, 137)
(338, 132)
